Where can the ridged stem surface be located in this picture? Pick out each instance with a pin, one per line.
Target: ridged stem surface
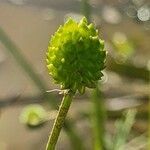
(59, 121)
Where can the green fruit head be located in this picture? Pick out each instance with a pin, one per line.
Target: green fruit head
(76, 56)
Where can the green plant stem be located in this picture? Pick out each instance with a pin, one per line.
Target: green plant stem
(98, 120)
(60, 119)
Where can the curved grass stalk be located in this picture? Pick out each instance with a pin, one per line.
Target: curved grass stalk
(16, 52)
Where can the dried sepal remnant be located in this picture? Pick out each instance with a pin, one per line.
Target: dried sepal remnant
(76, 56)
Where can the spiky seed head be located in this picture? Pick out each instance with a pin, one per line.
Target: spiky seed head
(76, 56)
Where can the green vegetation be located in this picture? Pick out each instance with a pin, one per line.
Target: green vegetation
(70, 69)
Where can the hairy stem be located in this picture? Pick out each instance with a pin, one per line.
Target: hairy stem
(59, 121)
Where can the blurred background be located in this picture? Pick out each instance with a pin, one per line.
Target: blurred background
(25, 30)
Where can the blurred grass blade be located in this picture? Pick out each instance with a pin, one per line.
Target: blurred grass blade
(129, 70)
(123, 127)
(98, 117)
(16, 52)
(75, 140)
(149, 115)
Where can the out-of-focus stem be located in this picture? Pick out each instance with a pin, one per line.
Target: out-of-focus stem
(128, 69)
(149, 110)
(15, 51)
(74, 139)
(98, 120)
